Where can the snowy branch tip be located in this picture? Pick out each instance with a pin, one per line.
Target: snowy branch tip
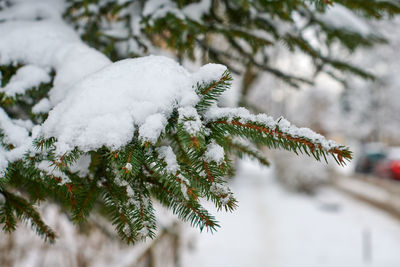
(276, 133)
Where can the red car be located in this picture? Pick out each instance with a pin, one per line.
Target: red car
(389, 167)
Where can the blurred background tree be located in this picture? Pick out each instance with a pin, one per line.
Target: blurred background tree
(246, 36)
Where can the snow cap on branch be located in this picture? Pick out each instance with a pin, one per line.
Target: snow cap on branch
(167, 154)
(214, 153)
(108, 106)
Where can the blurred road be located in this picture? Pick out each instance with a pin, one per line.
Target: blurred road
(275, 228)
(383, 194)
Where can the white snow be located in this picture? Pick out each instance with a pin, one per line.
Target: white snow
(81, 165)
(3, 162)
(51, 170)
(214, 153)
(107, 106)
(13, 133)
(152, 127)
(184, 191)
(127, 230)
(128, 166)
(219, 189)
(27, 77)
(27, 124)
(33, 10)
(166, 153)
(215, 113)
(16, 135)
(43, 106)
(184, 185)
(49, 44)
(223, 191)
(190, 119)
(209, 72)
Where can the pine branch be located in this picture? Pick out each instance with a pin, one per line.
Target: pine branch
(7, 217)
(120, 217)
(85, 199)
(145, 218)
(274, 137)
(187, 210)
(25, 211)
(242, 149)
(211, 92)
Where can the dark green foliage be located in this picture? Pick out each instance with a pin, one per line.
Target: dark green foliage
(16, 207)
(212, 91)
(244, 30)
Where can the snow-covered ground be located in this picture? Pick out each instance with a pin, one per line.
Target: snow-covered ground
(276, 228)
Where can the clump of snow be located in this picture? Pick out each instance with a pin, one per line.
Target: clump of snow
(129, 190)
(190, 119)
(49, 169)
(214, 153)
(166, 153)
(184, 186)
(107, 106)
(127, 230)
(209, 72)
(223, 191)
(13, 133)
(230, 113)
(27, 124)
(49, 44)
(3, 161)
(184, 191)
(81, 166)
(33, 10)
(219, 189)
(27, 77)
(128, 166)
(43, 106)
(153, 126)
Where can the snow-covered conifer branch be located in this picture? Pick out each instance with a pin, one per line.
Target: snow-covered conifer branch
(100, 135)
(275, 134)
